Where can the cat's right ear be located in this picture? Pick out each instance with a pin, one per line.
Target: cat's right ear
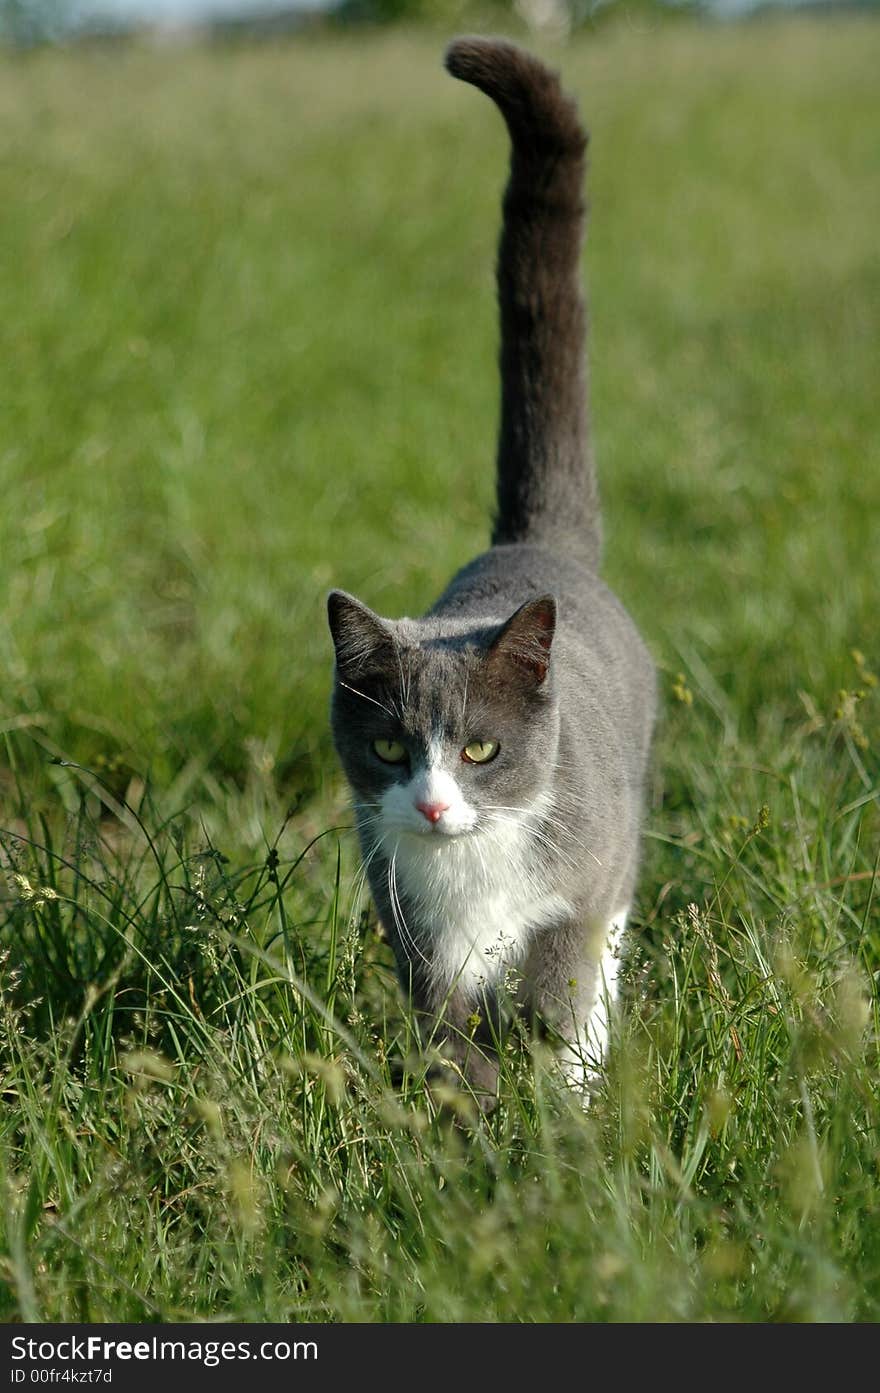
(362, 640)
(523, 643)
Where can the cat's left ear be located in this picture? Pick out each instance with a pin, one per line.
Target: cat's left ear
(363, 642)
(525, 640)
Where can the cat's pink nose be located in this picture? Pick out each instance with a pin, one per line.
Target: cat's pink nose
(432, 811)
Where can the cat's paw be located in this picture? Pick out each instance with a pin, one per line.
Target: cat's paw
(465, 1086)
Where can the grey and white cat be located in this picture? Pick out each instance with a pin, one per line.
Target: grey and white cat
(497, 747)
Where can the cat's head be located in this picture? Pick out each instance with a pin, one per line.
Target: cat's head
(443, 734)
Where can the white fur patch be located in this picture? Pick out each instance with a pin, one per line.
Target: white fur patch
(606, 987)
(582, 1061)
(475, 902)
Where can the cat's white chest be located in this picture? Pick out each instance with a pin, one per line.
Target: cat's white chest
(477, 901)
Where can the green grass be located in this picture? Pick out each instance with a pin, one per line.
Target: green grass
(248, 352)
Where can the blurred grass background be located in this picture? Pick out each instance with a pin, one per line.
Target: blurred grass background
(248, 341)
(248, 345)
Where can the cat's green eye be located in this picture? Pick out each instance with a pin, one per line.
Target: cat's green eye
(480, 751)
(390, 751)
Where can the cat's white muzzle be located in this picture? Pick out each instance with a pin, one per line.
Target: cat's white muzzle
(430, 804)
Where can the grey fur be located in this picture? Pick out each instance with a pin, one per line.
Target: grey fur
(526, 646)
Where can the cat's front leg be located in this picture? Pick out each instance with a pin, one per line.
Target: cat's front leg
(457, 1019)
(572, 981)
(460, 1030)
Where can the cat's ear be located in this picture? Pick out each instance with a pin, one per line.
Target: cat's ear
(523, 643)
(363, 641)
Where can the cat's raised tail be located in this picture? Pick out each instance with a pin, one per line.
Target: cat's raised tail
(547, 490)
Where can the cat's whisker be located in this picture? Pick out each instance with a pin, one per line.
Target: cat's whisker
(537, 836)
(545, 816)
(381, 705)
(361, 878)
(533, 832)
(360, 882)
(360, 885)
(362, 872)
(566, 829)
(487, 874)
(539, 814)
(374, 850)
(570, 837)
(397, 910)
(515, 865)
(405, 678)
